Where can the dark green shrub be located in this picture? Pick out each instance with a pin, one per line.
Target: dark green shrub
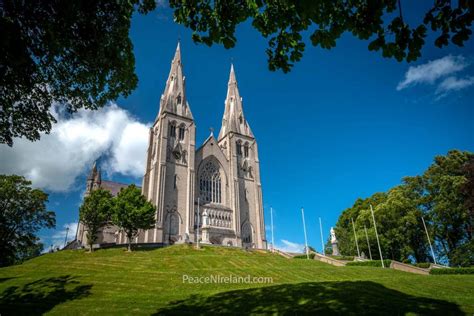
(453, 271)
(463, 256)
(373, 263)
(423, 265)
(344, 258)
(311, 256)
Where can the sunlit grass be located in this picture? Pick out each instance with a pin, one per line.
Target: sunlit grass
(146, 282)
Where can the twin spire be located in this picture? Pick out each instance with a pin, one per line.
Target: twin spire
(234, 119)
(173, 100)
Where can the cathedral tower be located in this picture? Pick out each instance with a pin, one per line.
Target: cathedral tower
(169, 176)
(216, 186)
(240, 147)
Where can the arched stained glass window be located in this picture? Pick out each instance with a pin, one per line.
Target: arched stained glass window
(210, 183)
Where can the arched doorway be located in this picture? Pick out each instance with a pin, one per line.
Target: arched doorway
(247, 234)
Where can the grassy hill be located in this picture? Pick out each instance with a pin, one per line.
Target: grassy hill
(151, 281)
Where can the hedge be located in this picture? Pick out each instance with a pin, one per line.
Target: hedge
(311, 256)
(373, 263)
(453, 271)
(344, 258)
(424, 265)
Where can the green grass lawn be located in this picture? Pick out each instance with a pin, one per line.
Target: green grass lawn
(151, 282)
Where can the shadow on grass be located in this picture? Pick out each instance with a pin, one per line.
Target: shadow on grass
(5, 279)
(338, 298)
(41, 296)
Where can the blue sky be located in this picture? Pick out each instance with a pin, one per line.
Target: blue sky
(333, 129)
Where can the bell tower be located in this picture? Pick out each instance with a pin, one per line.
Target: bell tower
(240, 147)
(169, 176)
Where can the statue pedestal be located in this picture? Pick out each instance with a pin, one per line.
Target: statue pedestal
(205, 228)
(335, 249)
(205, 236)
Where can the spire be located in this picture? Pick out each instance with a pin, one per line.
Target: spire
(234, 119)
(232, 75)
(98, 176)
(93, 173)
(173, 100)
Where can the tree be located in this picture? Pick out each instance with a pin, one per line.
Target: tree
(468, 194)
(463, 256)
(445, 181)
(442, 195)
(22, 213)
(284, 22)
(132, 212)
(77, 54)
(400, 227)
(344, 230)
(95, 212)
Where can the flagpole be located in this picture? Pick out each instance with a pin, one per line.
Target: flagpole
(355, 237)
(65, 239)
(305, 238)
(368, 243)
(377, 235)
(429, 240)
(321, 230)
(271, 218)
(198, 222)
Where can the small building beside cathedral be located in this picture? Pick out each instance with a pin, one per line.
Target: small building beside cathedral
(219, 180)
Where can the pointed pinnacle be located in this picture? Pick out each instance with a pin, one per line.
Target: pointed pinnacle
(232, 78)
(177, 55)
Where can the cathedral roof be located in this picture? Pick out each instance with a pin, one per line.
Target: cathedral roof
(173, 100)
(234, 119)
(113, 187)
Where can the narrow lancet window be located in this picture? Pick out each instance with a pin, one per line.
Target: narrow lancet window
(172, 129)
(181, 132)
(239, 148)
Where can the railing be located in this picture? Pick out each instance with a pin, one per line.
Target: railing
(219, 218)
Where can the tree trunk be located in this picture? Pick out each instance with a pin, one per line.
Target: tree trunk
(129, 242)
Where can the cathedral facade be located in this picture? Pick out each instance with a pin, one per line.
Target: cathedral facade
(212, 192)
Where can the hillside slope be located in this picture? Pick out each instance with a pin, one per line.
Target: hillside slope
(151, 281)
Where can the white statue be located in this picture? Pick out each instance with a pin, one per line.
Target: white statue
(205, 227)
(205, 219)
(335, 248)
(333, 236)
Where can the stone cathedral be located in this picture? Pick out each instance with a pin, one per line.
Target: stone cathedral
(218, 181)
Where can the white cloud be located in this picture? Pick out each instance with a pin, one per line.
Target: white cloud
(432, 71)
(453, 84)
(56, 160)
(288, 246)
(128, 155)
(61, 234)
